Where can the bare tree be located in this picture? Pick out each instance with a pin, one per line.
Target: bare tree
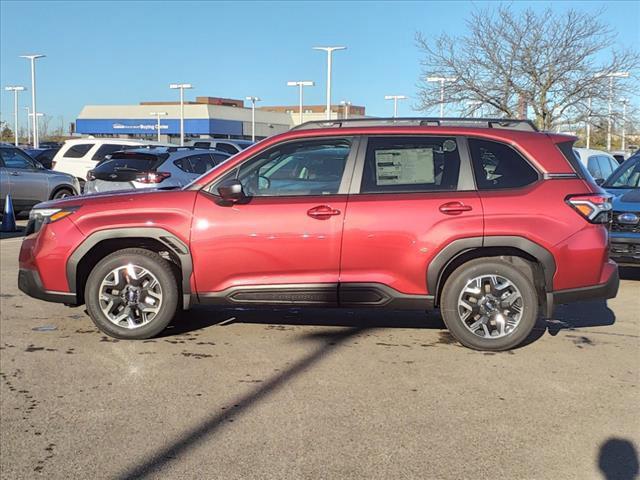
(547, 61)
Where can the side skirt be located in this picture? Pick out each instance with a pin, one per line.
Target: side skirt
(347, 295)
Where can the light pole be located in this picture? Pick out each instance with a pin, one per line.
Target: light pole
(346, 104)
(253, 101)
(301, 84)
(158, 115)
(181, 87)
(329, 51)
(395, 99)
(624, 123)
(442, 81)
(28, 125)
(32, 58)
(15, 89)
(611, 76)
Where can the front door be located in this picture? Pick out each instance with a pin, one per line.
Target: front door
(281, 244)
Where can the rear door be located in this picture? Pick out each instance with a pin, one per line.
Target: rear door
(410, 197)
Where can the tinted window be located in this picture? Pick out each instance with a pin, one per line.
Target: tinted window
(606, 168)
(300, 168)
(410, 164)
(14, 158)
(133, 161)
(219, 157)
(593, 165)
(199, 164)
(78, 151)
(627, 176)
(105, 150)
(202, 144)
(496, 165)
(226, 147)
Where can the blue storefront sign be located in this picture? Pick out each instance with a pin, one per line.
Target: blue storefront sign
(192, 126)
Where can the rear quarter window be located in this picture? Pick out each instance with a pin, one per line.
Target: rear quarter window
(497, 166)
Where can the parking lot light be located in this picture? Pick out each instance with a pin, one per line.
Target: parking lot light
(181, 87)
(395, 99)
(442, 81)
(346, 104)
(253, 101)
(624, 101)
(32, 59)
(158, 115)
(329, 51)
(28, 125)
(301, 84)
(15, 89)
(611, 76)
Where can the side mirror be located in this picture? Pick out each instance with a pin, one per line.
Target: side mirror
(231, 190)
(599, 181)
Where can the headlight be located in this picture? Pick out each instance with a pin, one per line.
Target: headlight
(40, 216)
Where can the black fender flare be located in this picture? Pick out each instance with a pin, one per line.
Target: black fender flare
(174, 244)
(456, 248)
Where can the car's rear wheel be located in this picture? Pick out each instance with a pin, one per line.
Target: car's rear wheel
(132, 294)
(488, 304)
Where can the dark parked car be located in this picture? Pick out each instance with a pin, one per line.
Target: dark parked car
(624, 184)
(43, 155)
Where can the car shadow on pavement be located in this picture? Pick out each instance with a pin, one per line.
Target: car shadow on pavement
(618, 459)
(200, 317)
(327, 340)
(594, 313)
(629, 273)
(18, 233)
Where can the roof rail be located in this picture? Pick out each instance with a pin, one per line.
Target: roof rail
(505, 123)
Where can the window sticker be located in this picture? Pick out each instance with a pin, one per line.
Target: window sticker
(404, 166)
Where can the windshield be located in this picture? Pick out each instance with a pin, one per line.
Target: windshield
(626, 176)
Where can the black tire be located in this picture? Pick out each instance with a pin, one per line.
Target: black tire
(62, 193)
(156, 265)
(454, 286)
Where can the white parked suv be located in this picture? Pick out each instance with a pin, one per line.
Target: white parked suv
(600, 164)
(78, 156)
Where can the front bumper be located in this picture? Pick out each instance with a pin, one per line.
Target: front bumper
(29, 282)
(603, 291)
(624, 247)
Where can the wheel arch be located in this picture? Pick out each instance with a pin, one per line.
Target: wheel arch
(62, 186)
(99, 244)
(518, 249)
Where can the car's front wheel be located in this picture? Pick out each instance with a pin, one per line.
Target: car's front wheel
(132, 294)
(489, 304)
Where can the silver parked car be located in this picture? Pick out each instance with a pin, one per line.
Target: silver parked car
(153, 167)
(29, 182)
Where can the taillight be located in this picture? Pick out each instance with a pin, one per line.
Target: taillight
(90, 176)
(152, 177)
(595, 208)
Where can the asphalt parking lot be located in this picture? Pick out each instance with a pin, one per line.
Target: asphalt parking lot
(316, 394)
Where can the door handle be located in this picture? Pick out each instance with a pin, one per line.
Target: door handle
(322, 212)
(454, 208)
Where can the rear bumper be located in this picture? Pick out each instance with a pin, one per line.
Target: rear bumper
(603, 291)
(29, 282)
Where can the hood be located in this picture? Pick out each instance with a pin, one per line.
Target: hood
(626, 200)
(106, 197)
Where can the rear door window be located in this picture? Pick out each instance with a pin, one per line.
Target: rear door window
(15, 158)
(78, 151)
(410, 164)
(497, 165)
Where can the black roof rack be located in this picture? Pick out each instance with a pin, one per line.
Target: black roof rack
(504, 123)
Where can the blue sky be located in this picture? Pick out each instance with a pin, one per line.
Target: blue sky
(125, 52)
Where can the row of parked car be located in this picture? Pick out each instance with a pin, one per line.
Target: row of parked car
(90, 165)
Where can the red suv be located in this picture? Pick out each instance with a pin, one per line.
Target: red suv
(489, 220)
